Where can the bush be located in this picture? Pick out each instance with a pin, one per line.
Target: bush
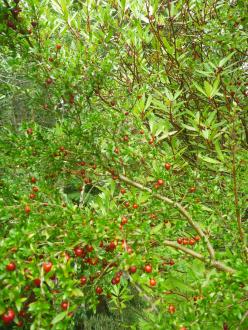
(123, 191)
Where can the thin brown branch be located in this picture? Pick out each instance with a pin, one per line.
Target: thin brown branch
(215, 264)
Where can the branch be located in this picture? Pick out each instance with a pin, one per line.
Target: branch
(178, 206)
(216, 264)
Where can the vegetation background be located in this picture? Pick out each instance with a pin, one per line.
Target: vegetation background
(123, 168)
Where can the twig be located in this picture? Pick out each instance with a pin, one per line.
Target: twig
(214, 263)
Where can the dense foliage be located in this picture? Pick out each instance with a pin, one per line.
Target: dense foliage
(123, 190)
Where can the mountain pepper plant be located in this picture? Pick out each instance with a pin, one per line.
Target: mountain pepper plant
(123, 169)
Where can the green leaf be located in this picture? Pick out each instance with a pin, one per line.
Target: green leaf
(59, 317)
(215, 87)
(173, 282)
(157, 228)
(56, 6)
(148, 102)
(2, 309)
(190, 128)
(199, 88)
(198, 268)
(168, 47)
(143, 197)
(208, 88)
(77, 293)
(19, 302)
(225, 60)
(218, 150)
(209, 160)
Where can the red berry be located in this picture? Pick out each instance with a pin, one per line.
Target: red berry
(35, 189)
(152, 282)
(49, 81)
(83, 280)
(11, 267)
(123, 191)
(125, 138)
(172, 309)
(135, 206)
(87, 181)
(119, 274)
(116, 150)
(197, 238)
(27, 209)
(78, 251)
(127, 204)
(64, 305)
(117, 279)
(8, 317)
(47, 266)
(11, 25)
(124, 220)
(94, 261)
(89, 248)
(132, 269)
(148, 268)
(19, 324)
(99, 290)
(27, 288)
(167, 166)
(34, 24)
(37, 282)
(192, 189)
(112, 246)
(33, 179)
(72, 99)
(67, 256)
(129, 250)
(58, 46)
(185, 241)
(82, 172)
(179, 240)
(29, 131)
(183, 328)
(156, 186)
(160, 182)
(172, 262)
(191, 241)
(22, 313)
(16, 11)
(31, 196)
